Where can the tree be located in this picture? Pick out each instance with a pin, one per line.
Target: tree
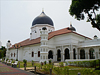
(79, 8)
(3, 51)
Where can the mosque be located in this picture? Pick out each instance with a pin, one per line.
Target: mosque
(47, 44)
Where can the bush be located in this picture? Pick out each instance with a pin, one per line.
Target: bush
(13, 61)
(25, 61)
(47, 67)
(45, 62)
(61, 64)
(32, 63)
(49, 61)
(61, 70)
(7, 59)
(16, 59)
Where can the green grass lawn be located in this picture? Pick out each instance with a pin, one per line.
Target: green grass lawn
(72, 70)
(29, 64)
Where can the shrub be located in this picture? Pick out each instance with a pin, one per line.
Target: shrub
(25, 61)
(47, 67)
(45, 62)
(61, 64)
(16, 59)
(49, 61)
(32, 63)
(7, 59)
(13, 61)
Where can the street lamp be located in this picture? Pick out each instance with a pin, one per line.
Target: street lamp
(16, 47)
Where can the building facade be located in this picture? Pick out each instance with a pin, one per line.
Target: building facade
(47, 44)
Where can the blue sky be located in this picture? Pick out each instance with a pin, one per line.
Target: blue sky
(16, 18)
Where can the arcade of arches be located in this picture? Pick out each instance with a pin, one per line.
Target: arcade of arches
(80, 54)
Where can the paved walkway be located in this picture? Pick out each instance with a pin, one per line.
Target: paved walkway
(8, 70)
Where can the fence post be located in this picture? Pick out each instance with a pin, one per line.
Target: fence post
(79, 73)
(25, 66)
(19, 65)
(50, 71)
(35, 69)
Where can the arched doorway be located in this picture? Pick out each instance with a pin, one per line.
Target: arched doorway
(91, 53)
(67, 55)
(58, 55)
(82, 54)
(50, 55)
(74, 53)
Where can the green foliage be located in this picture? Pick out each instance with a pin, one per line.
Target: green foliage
(61, 70)
(49, 61)
(13, 61)
(32, 63)
(2, 52)
(7, 59)
(61, 64)
(45, 62)
(47, 67)
(79, 8)
(91, 63)
(16, 59)
(25, 61)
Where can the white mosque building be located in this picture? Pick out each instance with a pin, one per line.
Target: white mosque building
(47, 44)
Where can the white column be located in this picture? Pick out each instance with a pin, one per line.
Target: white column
(63, 53)
(79, 53)
(71, 52)
(88, 56)
(76, 54)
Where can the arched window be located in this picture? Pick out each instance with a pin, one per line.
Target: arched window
(32, 54)
(38, 53)
(91, 53)
(14, 54)
(74, 53)
(50, 54)
(11, 54)
(82, 54)
(67, 55)
(58, 55)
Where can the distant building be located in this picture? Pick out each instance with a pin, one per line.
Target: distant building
(47, 44)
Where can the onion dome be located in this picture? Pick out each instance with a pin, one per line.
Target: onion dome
(72, 28)
(95, 37)
(42, 19)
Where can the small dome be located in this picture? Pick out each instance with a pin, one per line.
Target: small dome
(95, 36)
(72, 28)
(42, 19)
(9, 41)
(44, 28)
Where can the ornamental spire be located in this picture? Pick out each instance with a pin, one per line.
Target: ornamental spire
(42, 9)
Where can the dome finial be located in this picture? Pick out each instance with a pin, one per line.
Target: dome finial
(70, 23)
(42, 9)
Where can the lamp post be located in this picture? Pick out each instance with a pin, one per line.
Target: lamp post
(16, 47)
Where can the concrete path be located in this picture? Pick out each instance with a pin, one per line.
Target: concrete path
(8, 70)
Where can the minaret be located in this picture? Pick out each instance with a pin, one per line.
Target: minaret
(8, 46)
(44, 45)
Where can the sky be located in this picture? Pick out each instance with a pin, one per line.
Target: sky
(16, 18)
